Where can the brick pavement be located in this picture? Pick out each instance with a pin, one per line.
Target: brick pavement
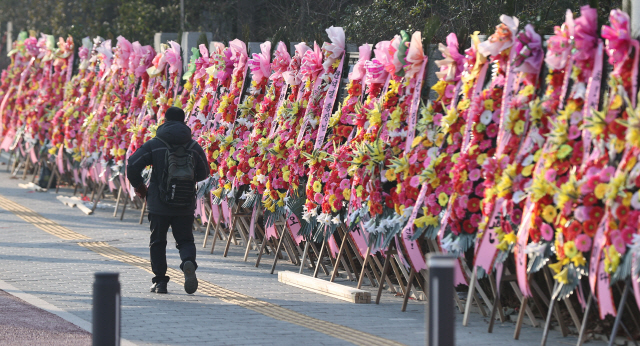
(60, 272)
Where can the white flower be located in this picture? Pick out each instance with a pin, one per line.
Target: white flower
(306, 216)
(518, 196)
(261, 178)
(336, 220)
(313, 212)
(407, 212)
(535, 249)
(527, 161)
(432, 153)
(635, 201)
(486, 117)
(579, 90)
(324, 219)
(635, 244)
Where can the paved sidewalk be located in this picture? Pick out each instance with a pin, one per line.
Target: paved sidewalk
(237, 304)
(24, 324)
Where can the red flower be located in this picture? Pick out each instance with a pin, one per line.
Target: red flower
(468, 227)
(590, 227)
(622, 212)
(573, 230)
(596, 214)
(590, 199)
(473, 205)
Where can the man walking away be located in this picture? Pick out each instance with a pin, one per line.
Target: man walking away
(178, 163)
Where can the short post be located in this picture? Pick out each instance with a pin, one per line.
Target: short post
(440, 310)
(106, 310)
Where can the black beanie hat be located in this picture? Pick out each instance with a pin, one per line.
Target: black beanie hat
(174, 114)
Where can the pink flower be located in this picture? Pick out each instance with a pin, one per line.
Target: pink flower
(516, 216)
(581, 213)
(415, 181)
(618, 242)
(474, 175)
(437, 119)
(475, 220)
(318, 197)
(484, 145)
(627, 235)
(583, 243)
(479, 190)
(547, 232)
(492, 130)
(449, 92)
(467, 187)
(413, 158)
(574, 132)
(607, 173)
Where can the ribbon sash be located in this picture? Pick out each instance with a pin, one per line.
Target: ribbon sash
(314, 94)
(294, 228)
(487, 250)
(591, 102)
(283, 95)
(329, 101)
(415, 104)
(413, 250)
(507, 96)
(59, 161)
(476, 93)
(252, 225)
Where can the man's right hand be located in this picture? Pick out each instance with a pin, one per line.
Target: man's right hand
(141, 191)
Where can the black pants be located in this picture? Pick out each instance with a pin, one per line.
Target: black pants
(182, 233)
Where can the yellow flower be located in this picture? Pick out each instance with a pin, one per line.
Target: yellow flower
(626, 201)
(527, 171)
(611, 259)
(562, 277)
(579, 260)
(488, 104)
(556, 267)
(464, 104)
(416, 141)
(549, 213)
(121, 152)
(618, 145)
(443, 198)
(286, 174)
(317, 186)
(346, 193)
(527, 91)
(600, 190)
(510, 238)
(570, 249)
(390, 175)
(518, 128)
(481, 158)
(617, 102)
(564, 151)
(252, 162)
(439, 88)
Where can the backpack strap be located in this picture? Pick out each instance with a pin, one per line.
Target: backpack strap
(163, 141)
(193, 143)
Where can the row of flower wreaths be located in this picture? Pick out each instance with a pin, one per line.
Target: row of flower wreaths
(541, 170)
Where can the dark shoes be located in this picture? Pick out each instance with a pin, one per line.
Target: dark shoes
(159, 287)
(190, 280)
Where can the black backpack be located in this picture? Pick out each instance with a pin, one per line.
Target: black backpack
(178, 183)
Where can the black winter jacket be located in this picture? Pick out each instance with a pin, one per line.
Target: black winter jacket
(153, 153)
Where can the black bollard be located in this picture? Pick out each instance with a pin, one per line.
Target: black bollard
(440, 310)
(106, 310)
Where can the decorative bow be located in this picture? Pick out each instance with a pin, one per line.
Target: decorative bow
(559, 45)
(453, 63)
(260, 64)
(502, 38)
(585, 37)
(292, 75)
(617, 36)
(281, 60)
(414, 55)
(334, 49)
(123, 51)
(311, 63)
(105, 54)
(360, 70)
(239, 53)
(173, 58)
(528, 51)
(203, 62)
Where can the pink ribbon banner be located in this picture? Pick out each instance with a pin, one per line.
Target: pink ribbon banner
(283, 96)
(314, 95)
(294, 228)
(415, 104)
(593, 97)
(487, 250)
(226, 212)
(252, 225)
(411, 246)
(329, 101)
(59, 160)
